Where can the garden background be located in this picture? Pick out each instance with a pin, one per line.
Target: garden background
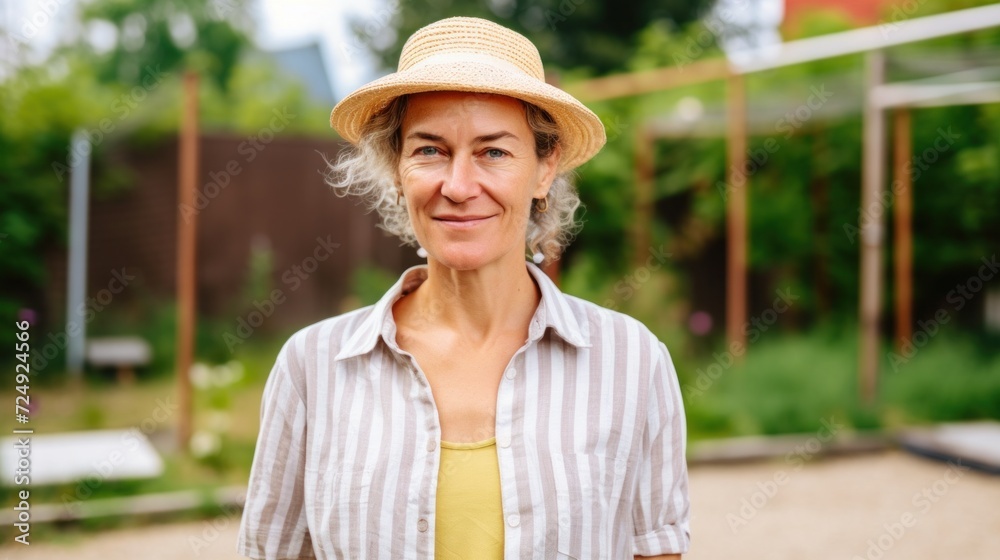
(800, 365)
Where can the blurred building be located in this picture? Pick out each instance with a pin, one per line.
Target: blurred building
(305, 64)
(860, 12)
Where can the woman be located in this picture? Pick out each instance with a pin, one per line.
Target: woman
(475, 411)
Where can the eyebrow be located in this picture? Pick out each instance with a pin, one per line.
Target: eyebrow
(476, 140)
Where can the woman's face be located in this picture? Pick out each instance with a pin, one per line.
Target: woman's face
(468, 171)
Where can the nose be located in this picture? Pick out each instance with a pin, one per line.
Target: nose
(460, 184)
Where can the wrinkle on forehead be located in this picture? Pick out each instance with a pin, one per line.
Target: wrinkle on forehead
(449, 112)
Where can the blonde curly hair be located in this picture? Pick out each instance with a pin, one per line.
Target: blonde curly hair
(368, 170)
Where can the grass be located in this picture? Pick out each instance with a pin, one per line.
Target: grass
(149, 407)
(791, 383)
(103, 404)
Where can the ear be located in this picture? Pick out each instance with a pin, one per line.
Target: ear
(547, 169)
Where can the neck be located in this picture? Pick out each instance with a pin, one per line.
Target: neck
(489, 301)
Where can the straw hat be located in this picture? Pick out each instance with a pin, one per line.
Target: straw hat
(476, 55)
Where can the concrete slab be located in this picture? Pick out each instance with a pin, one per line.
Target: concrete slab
(230, 498)
(759, 448)
(73, 456)
(973, 444)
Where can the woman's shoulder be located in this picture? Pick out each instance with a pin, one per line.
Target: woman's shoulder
(338, 324)
(326, 336)
(599, 321)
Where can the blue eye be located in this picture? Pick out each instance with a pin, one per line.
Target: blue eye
(494, 153)
(428, 151)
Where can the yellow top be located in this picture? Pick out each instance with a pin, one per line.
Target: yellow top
(469, 510)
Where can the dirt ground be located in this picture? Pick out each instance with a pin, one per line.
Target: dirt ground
(876, 507)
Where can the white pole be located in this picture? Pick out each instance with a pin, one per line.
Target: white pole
(76, 274)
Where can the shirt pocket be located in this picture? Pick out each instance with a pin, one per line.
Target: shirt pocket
(589, 494)
(335, 498)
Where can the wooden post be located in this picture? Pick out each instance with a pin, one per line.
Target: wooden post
(737, 183)
(187, 182)
(643, 199)
(649, 81)
(871, 229)
(903, 225)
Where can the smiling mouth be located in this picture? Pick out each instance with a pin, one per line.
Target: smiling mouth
(462, 221)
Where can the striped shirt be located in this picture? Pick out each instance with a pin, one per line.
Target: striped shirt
(590, 435)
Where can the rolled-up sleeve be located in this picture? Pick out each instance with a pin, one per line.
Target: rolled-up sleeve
(661, 510)
(274, 521)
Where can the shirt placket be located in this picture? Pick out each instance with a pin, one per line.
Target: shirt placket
(421, 396)
(508, 441)
(425, 503)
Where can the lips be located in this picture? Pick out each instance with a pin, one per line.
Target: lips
(453, 218)
(457, 221)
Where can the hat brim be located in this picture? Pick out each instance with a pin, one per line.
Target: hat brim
(581, 131)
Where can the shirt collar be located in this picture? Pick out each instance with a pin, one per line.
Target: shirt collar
(553, 311)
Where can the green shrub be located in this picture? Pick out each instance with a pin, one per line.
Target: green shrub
(952, 378)
(791, 383)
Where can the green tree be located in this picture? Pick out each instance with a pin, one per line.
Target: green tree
(205, 35)
(109, 95)
(40, 114)
(599, 35)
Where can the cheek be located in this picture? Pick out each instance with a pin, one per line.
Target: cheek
(519, 218)
(416, 183)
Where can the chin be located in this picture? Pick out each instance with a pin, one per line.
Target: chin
(458, 257)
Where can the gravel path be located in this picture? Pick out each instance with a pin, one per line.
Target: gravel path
(885, 506)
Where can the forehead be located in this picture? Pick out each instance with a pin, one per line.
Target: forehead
(446, 108)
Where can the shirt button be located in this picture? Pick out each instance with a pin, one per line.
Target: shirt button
(504, 440)
(511, 373)
(513, 520)
(422, 525)
(431, 445)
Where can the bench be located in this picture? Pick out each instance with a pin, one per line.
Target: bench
(124, 353)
